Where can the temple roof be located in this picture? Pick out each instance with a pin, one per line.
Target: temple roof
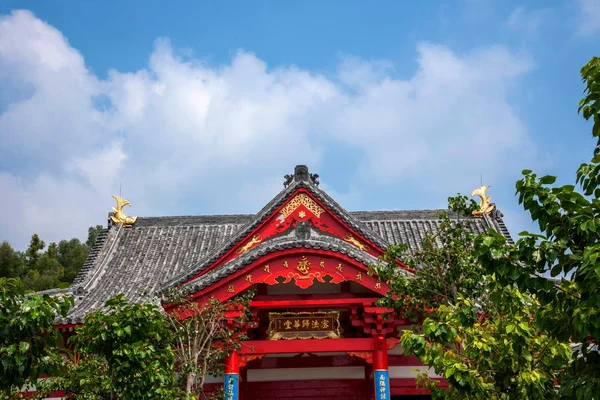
(159, 252)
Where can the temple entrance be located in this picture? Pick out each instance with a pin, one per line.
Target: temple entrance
(306, 390)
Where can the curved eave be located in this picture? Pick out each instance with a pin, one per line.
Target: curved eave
(326, 243)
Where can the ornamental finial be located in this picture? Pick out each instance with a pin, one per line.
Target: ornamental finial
(485, 207)
(301, 174)
(119, 217)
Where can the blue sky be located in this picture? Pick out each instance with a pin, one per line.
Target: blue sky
(201, 108)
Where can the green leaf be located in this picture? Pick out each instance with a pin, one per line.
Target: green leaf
(24, 346)
(547, 180)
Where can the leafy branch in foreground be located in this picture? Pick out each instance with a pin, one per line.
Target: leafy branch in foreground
(28, 337)
(205, 333)
(477, 334)
(569, 247)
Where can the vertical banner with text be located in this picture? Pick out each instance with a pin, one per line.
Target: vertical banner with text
(231, 386)
(382, 385)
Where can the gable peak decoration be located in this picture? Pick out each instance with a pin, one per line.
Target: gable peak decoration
(485, 207)
(119, 216)
(301, 174)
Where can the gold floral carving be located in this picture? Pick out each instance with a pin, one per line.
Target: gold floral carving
(119, 216)
(303, 265)
(302, 214)
(255, 239)
(306, 201)
(485, 207)
(244, 359)
(350, 239)
(365, 355)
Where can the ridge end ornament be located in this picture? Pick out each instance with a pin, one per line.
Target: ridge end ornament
(119, 216)
(485, 207)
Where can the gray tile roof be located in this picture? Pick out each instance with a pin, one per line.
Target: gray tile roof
(160, 252)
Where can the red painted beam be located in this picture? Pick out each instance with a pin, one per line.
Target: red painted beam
(306, 362)
(312, 302)
(306, 346)
(316, 361)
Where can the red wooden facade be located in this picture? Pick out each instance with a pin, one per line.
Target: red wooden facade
(304, 279)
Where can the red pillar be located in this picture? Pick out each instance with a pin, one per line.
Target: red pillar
(381, 378)
(232, 376)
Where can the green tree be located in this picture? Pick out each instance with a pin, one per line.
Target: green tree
(71, 255)
(568, 246)
(27, 335)
(134, 340)
(10, 262)
(32, 254)
(93, 232)
(46, 275)
(83, 378)
(475, 333)
(204, 334)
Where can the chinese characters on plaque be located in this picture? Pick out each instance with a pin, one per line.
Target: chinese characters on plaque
(304, 325)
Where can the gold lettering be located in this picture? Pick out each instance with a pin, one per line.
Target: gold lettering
(288, 324)
(359, 277)
(231, 289)
(325, 324)
(305, 323)
(340, 267)
(285, 263)
(266, 268)
(296, 324)
(378, 285)
(315, 324)
(322, 263)
(303, 265)
(249, 278)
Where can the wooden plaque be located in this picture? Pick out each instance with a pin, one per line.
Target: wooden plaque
(304, 325)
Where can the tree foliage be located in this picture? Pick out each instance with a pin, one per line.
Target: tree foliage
(204, 333)
(135, 342)
(569, 247)
(41, 270)
(27, 335)
(477, 334)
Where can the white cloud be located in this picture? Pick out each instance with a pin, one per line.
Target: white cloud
(183, 136)
(589, 17)
(529, 22)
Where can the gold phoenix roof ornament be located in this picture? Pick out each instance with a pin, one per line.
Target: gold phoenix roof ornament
(485, 207)
(119, 216)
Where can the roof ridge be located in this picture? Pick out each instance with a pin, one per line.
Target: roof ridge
(91, 258)
(266, 211)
